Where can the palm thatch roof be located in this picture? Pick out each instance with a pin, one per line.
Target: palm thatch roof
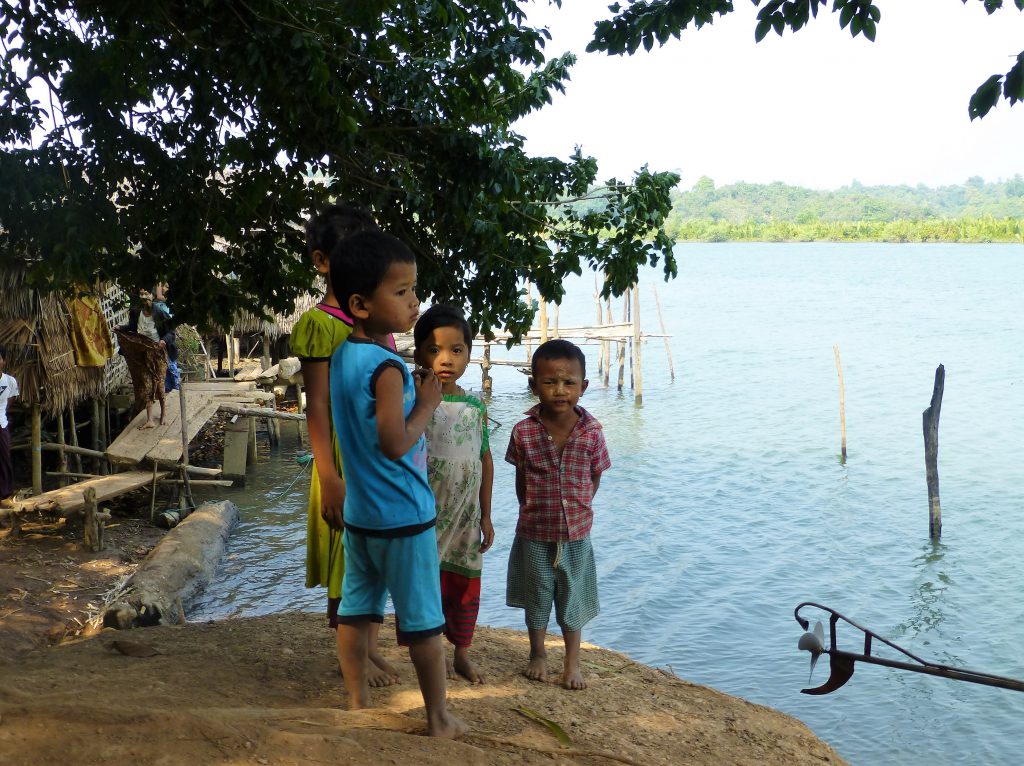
(35, 328)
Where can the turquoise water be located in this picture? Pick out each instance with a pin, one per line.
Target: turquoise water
(727, 504)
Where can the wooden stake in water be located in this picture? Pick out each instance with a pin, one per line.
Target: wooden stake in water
(638, 378)
(607, 344)
(543, 319)
(930, 422)
(842, 402)
(485, 370)
(661, 323)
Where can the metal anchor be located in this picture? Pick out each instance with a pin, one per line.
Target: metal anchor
(842, 662)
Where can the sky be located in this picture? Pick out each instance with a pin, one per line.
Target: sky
(816, 108)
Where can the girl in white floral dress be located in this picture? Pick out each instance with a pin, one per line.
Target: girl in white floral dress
(461, 474)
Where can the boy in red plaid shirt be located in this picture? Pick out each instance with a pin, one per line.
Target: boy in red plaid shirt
(559, 453)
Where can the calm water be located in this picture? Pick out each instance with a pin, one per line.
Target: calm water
(727, 504)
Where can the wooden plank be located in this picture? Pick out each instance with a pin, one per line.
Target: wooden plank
(169, 445)
(133, 444)
(71, 498)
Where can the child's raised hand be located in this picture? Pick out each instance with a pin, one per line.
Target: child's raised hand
(487, 532)
(428, 387)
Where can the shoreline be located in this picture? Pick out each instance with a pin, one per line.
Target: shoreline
(267, 689)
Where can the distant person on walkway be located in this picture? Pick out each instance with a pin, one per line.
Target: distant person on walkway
(559, 453)
(316, 336)
(380, 412)
(148, 345)
(461, 474)
(8, 390)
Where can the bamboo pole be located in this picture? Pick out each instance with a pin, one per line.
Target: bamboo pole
(842, 403)
(555, 333)
(265, 360)
(184, 444)
(543, 319)
(638, 377)
(529, 302)
(62, 458)
(607, 344)
(930, 422)
(661, 324)
(37, 450)
(230, 339)
(485, 370)
(73, 427)
(622, 344)
(600, 350)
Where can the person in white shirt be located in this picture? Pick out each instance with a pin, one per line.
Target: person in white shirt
(8, 390)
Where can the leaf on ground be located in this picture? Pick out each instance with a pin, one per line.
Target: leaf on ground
(553, 727)
(133, 648)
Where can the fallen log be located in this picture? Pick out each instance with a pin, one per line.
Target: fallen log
(176, 570)
(260, 412)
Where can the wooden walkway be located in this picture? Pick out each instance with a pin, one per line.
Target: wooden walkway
(162, 444)
(72, 498)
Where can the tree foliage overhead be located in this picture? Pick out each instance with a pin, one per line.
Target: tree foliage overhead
(644, 22)
(186, 139)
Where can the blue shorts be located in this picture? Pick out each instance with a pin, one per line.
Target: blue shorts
(408, 568)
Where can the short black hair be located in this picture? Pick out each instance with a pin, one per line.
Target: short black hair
(558, 349)
(360, 262)
(441, 316)
(3, 352)
(327, 228)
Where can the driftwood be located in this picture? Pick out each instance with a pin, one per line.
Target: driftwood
(180, 566)
(260, 412)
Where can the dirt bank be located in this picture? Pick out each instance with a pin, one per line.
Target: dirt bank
(267, 691)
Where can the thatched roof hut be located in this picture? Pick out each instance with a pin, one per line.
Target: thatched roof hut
(35, 328)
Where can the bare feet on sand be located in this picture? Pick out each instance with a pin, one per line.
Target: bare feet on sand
(572, 678)
(378, 677)
(446, 726)
(464, 667)
(537, 670)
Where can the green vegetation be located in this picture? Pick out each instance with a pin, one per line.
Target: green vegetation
(974, 212)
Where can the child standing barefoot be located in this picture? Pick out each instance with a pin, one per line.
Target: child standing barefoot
(461, 474)
(380, 411)
(559, 454)
(316, 336)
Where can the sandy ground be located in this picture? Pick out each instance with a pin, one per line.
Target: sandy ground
(267, 690)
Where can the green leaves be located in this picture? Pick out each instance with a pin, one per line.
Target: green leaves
(1010, 86)
(188, 135)
(564, 739)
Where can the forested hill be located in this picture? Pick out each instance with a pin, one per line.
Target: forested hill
(975, 211)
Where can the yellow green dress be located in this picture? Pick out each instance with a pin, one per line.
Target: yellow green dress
(314, 338)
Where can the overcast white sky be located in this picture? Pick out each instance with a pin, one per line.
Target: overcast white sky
(816, 108)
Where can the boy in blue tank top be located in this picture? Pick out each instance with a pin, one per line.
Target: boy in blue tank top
(380, 412)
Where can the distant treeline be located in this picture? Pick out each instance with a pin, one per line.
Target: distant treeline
(974, 212)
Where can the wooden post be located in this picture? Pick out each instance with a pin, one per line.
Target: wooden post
(607, 346)
(265, 361)
(555, 333)
(638, 377)
(37, 451)
(529, 302)
(930, 421)
(485, 370)
(842, 403)
(543, 319)
(250, 452)
(184, 444)
(97, 425)
(152, 497)
(94, 522)
(601, 348)
(230, 340)
(62, 458)
(661, 323)
(73, 428)
(622, 343)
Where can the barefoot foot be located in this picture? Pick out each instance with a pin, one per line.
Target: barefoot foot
(378, 659)
(148, 424)
(378, 678)
(446, 726)
(465, 667)
(572, 678)
(537, 670)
